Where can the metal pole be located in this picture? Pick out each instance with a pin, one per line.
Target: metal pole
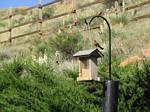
(110, 87)
(99, 16)
(110, 101)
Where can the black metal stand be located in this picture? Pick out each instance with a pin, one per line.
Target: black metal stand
(99, 16)
(110, 96)
(110, 87)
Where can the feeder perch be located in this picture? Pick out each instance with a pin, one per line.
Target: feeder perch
(88, 64)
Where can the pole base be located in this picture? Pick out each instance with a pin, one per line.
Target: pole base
(110, 96)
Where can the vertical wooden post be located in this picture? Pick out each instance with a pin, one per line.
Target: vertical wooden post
(116, 5)
(74, 3)
(123, 5)
(10, 24)
(40, 18)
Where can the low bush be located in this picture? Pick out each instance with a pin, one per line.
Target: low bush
(134, 80)
(119, 18)
(39, 47)
(66, 43)
(47, 12)
(4, 56)
(30, 87)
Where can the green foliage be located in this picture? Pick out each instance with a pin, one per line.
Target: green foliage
(18, 21)
(120, 18)
(105, 34)
(20, 11)
(66, 43)
(68, 21)
(40, 47)
(134, 80)
(47, 12)
(95, 88)
(71, 73)
(4, 56)
(26, 86)
(2, 24)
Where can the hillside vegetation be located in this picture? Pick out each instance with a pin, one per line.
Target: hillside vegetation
(123, 30)
(26, 86)
(39, 74)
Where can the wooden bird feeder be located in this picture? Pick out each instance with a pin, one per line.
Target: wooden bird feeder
(88, 64)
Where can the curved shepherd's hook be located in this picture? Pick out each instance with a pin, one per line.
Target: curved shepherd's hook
(99, 16)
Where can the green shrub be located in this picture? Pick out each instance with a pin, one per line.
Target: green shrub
(66, 43)
(30, 87)
(71, 73)
(47, 12)
(20, 11)
(40, 47)
(18, 21)
(68, 21)
(120, 18)
(134, 81)
(4, 56)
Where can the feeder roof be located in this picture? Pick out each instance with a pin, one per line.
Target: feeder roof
(89, 53)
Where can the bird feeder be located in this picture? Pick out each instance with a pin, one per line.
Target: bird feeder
(88, 64)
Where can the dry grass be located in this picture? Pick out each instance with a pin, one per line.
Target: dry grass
(127, 39)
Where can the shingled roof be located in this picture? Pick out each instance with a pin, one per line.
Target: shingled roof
(89, 53)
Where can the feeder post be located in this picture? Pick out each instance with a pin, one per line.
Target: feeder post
(110, 86)
(99, 16)
(110, 101)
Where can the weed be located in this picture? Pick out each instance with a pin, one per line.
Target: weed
(47, 12)
(119, 18)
